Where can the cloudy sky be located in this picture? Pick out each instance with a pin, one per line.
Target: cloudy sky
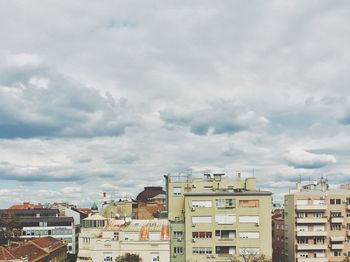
(111, 95)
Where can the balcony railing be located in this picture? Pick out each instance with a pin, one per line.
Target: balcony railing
(311, 220)
(311, 207)
(312, 259)
(311, 233)
(337, 220)
(337, 246)
(311, 247)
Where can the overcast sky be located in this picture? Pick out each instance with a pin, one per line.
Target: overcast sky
(111, 95)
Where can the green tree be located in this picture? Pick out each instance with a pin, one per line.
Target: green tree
(128, 258)
(9, 227)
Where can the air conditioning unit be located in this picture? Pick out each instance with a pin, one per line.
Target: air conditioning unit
(179, 239)
(193, 240)
(257, 224)
(193, 186)
(343, 226)
(208, 256)
(212, 256)
(174, 255)
(193, 209)
(193, 225)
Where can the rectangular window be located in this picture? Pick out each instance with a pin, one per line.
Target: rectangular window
(107, 256)
(202, 234)
(249, 219)
(201, 203)
(201, 250)
(201, 220)
(177, 191)
(249, 251)
(225, 203)
(178, 250)
(155, 236)
(225, 219)
(249, 235)
(335, 201)
(249, 203)
(178, 234)
(302, 202)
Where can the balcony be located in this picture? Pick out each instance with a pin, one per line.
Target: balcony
(312, 220)
(337, 246)
(312, 259)
(311, 207)
(311, 247)
(338, 239)
(348, 207)
(311, 233)
(338, 220)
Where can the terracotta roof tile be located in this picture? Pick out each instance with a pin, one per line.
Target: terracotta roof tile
(32, 251)
(5, 254)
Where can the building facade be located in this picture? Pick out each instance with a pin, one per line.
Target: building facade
(278, 238)
(45, 222)
(217, 218)
(103, 239)
(317, 223)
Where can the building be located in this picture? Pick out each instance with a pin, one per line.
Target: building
(216, 218)
(278, 243)
(45, 249)
(317, 223)
(27, 205)
(44, 222)
(148, 205)
(103, 239)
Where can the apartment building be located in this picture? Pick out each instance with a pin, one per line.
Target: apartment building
(216, 218)
(103, 239)
(44, 222)
(278, 241)
(317, 223)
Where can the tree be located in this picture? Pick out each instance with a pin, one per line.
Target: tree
(251, 257)
(9, 227)
(128, 258)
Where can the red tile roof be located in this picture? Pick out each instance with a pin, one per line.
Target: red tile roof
(5, 254)
(30, 250)
(26, 205)
(46, 242)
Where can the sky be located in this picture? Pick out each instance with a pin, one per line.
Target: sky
(109, 96)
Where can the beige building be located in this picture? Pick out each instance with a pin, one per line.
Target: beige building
(216, 218)
(103, 239)
(317, 223)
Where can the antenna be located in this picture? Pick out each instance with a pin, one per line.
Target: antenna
(253, 173)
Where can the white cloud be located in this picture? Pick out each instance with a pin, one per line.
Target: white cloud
(303, 159)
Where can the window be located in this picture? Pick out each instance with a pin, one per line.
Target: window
(178, 250)
(225, 250)
(42, 224)
(155, 258)
(201, 203)
(337, 253)
(249, 203)
(334, 201)
(319, 202)
(302, 202)
(335, 214)
(177, 191)
(249, 219)
(202, 234)
(225, 203)
(107, 256)
(201, 250)
(201, 220)
(335, 227)
(249, 235)
(178, 234)
(249, 251)
(225, 219)
(225, 234)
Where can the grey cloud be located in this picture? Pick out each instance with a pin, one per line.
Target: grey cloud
(216, 119)
(303, 159)
(49, 105)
